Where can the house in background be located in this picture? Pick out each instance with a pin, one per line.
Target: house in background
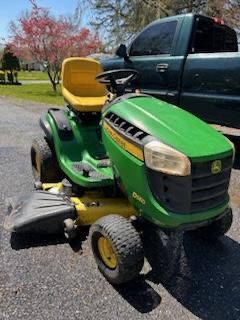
(31, 66)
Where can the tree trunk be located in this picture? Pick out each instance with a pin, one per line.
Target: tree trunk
(58, 77)
(12, 80)
(54, 85)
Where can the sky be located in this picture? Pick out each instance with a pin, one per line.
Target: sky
(10, 10)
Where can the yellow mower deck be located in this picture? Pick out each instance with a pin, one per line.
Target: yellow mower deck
(93, 205)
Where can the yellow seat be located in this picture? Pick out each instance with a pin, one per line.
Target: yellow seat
(79, 87)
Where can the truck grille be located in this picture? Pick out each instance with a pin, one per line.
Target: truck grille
(201, 191)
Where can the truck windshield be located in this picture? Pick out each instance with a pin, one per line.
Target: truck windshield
(212, 37)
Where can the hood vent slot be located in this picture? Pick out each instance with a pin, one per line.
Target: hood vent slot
(126, 128)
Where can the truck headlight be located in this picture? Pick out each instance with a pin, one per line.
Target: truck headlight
(163, 158)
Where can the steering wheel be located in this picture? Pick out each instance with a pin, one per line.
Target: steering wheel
(117, 80)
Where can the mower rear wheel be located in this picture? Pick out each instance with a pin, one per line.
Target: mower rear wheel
(44, 163)
(216, 229)
(117, 248)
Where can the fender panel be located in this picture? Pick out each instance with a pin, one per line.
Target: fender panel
(62, 123)
(46, 127)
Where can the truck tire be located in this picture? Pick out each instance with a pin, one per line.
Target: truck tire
(216, 229)
(117, 248)
(44, 163)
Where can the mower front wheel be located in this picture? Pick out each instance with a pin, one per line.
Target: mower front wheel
(216, 229)
(117, 248)
(44, 163)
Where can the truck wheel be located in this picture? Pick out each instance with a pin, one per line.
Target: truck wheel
(216, 229)
(117, 248)
(44, 163)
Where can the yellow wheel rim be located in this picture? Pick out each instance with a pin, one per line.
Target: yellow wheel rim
(107, 253)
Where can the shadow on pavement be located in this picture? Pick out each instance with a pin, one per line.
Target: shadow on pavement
(76, 244)
(140, 295)
(203, 277)
(24, 241)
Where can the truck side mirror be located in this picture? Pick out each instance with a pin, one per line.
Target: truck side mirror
(122, 51)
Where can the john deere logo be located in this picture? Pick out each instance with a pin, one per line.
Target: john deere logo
(216, 166)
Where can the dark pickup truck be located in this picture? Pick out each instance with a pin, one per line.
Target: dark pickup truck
(191, 61)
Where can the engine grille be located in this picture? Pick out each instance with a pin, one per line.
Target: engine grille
(201, 191)
(125, 128)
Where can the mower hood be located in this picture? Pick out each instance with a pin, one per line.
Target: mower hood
(172, 126)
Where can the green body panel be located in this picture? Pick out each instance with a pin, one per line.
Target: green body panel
(85, 146)
(175, 127)
(206, 84)
(132, 173)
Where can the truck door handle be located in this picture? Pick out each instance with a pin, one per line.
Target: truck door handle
(161, 67)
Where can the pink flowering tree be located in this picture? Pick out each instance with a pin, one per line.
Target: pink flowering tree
(40, 37)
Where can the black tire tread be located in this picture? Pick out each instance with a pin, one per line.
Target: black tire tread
(216, 229)
(50, 171)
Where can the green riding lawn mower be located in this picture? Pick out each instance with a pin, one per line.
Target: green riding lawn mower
(111, 160)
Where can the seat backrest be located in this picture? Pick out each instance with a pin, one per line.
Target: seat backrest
(78, 77)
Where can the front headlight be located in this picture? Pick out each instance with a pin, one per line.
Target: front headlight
(163, 158)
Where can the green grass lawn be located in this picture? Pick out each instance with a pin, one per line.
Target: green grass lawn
(32, 75)
(34, 92)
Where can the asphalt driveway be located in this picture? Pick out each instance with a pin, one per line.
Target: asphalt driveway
(46, 278)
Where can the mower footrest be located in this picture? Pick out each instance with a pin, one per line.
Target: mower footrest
(39, 212)
(104, 163)
(88, 172)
